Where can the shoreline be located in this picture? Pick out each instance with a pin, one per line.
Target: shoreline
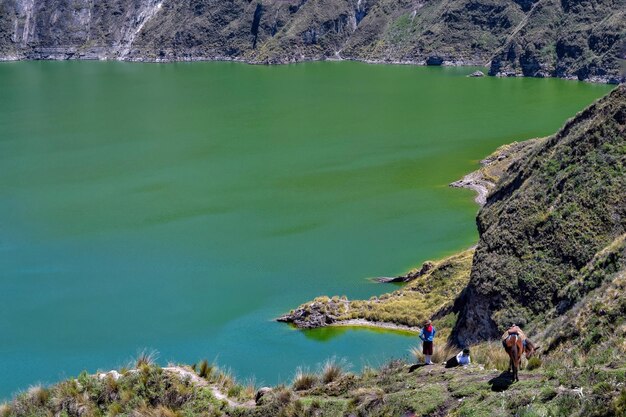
(363, 323)
(325, 311)
(475, 181)
(492, 168)
(59, 55)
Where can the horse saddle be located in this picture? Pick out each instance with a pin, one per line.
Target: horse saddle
(518, 335)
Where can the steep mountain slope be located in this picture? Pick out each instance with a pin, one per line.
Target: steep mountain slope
(576, 39)
(596, 324)
(550, 232)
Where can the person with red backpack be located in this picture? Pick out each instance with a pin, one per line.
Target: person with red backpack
(427, 334)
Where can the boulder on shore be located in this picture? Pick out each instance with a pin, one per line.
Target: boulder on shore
(262, 392)
(321, 312)
(410, 276)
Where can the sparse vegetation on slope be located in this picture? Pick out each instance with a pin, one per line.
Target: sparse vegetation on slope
(396, 389)
(550, 231)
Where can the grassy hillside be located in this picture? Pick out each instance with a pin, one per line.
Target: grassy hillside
(573, 39)
(551, 388)
(548, 232)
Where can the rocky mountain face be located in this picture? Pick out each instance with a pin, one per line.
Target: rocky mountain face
(553, 230)
(565, 38)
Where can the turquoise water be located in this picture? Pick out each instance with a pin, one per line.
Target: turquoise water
(182, 207)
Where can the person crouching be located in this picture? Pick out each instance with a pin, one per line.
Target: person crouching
(427, 335)
(462, 359)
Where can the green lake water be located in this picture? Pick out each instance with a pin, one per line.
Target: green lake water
(181, 207)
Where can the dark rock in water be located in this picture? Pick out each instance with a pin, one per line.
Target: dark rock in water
(434, 60)
(426, 267)
(477, 74)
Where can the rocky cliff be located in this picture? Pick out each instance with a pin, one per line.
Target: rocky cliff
(568, 38)
(553, 229)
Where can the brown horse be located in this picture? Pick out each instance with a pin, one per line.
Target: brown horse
(515, 346)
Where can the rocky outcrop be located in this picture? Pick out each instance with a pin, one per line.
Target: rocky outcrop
(531, 38)
(493, 168)
(475, 181)
(429, 294)
(319, 313)
(569, 39)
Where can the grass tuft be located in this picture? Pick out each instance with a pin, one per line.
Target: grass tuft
(534, 363)
(205, 370)
(304, 380)
(39, 395)
(331, 371)
(250, 387)
(146, 358)
(491, 355)
(283, 395)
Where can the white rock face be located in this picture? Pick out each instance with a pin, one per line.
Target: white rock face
(24, 22)
(147, 11)
(114, 374)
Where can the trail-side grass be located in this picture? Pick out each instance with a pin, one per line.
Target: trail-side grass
(441, 353)
(491, 355)
(394, 389)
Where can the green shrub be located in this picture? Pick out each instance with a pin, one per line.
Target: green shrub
(565, 405)
(115, 409)
(619, 404)
(603, 388)
(235, 391)
(534, 363)
(547, 394)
